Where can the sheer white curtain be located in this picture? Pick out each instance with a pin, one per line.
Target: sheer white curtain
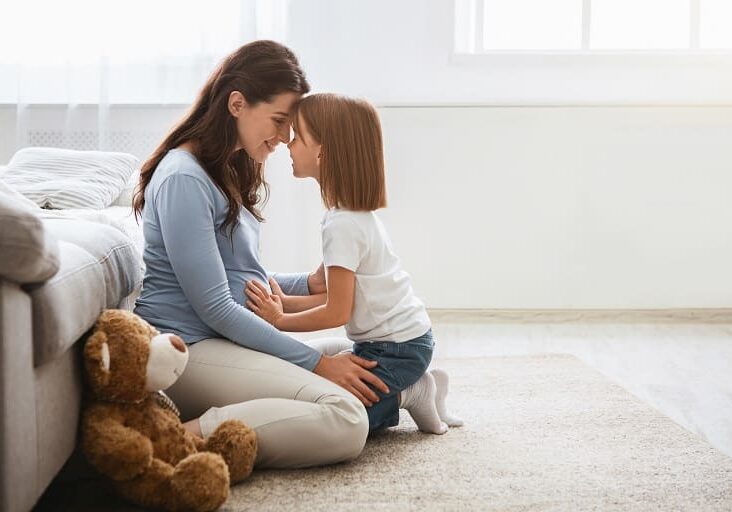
(65, 66)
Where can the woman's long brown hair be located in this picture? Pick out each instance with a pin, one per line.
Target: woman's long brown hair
(259, 70)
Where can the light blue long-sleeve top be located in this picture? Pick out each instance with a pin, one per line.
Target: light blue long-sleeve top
(195, 274)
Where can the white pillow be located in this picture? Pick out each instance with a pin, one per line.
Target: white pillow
(126, 196)
(65, 178)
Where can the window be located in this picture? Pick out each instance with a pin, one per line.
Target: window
(132, 52)
(592, 26)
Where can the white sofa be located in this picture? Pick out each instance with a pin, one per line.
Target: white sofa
(56, 276)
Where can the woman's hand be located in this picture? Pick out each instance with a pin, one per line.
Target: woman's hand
(352, 373)
(316, 281)
(264, 304)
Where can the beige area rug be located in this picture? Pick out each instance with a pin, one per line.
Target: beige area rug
(542, 433)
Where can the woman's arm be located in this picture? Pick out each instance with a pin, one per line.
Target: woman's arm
(334, 313)
(185, 208)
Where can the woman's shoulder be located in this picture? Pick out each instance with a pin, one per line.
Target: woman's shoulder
(178, 162)
(180, 170)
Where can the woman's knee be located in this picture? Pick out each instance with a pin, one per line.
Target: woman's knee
(353, 426)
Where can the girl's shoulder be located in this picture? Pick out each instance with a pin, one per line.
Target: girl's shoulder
(340, 216)
(338, 220)
(358, 216)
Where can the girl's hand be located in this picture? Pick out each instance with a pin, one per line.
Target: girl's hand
(276, 289)
(264, 304)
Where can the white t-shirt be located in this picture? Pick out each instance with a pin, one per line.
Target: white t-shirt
(385, 307)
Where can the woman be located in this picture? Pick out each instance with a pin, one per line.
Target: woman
(198, 198)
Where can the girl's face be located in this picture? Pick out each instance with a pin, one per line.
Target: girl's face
(263, 126)
(305, 153)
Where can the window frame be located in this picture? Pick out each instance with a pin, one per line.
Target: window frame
(639, 71)
(476, 45)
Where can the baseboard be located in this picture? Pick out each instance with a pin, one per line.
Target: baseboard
(702, 316)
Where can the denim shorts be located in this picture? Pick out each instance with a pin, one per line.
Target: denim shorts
(400, 366)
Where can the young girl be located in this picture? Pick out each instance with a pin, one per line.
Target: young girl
(338, 142)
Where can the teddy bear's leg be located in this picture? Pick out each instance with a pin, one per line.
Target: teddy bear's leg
(200, 482)
(151, 488)
(237, 444)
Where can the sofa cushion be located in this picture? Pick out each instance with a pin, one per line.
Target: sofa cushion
(99, 266)
(28, 253)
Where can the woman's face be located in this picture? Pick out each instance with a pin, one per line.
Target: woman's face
(305, 153)
(262, 126)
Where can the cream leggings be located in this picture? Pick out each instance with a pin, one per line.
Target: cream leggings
(301, 419)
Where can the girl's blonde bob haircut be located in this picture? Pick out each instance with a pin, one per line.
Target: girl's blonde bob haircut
(352, 151)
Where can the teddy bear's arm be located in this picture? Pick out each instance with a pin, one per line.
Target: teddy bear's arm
(199, 443)
(117, 451)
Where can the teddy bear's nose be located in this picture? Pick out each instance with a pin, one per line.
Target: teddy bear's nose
(177, 342)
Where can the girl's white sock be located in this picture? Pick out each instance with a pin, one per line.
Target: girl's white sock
(441, 383)
(419, 400)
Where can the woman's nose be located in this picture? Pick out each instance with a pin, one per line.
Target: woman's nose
(284, 133)
(177, 342)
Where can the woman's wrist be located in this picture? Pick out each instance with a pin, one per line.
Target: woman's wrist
(320, 365)
(311, 283)
(316, 281)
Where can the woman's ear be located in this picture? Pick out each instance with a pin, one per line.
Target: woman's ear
(237, 103)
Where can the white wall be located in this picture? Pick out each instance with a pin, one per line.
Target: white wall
(544, 207)
(526, 207)
(577, 205)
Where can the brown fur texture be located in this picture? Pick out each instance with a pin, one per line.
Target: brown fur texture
(142, 446)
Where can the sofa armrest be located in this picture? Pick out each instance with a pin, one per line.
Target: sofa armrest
(29, 254)
(18, 434)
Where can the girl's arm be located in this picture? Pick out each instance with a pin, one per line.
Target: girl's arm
(335, 312)
(297, 303)
(301, 284)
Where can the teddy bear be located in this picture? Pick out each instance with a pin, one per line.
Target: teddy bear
(131, 432)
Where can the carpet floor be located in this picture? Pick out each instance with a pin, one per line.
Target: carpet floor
(541, 433)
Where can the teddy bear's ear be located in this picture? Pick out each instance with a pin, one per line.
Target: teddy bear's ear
(96, 359)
